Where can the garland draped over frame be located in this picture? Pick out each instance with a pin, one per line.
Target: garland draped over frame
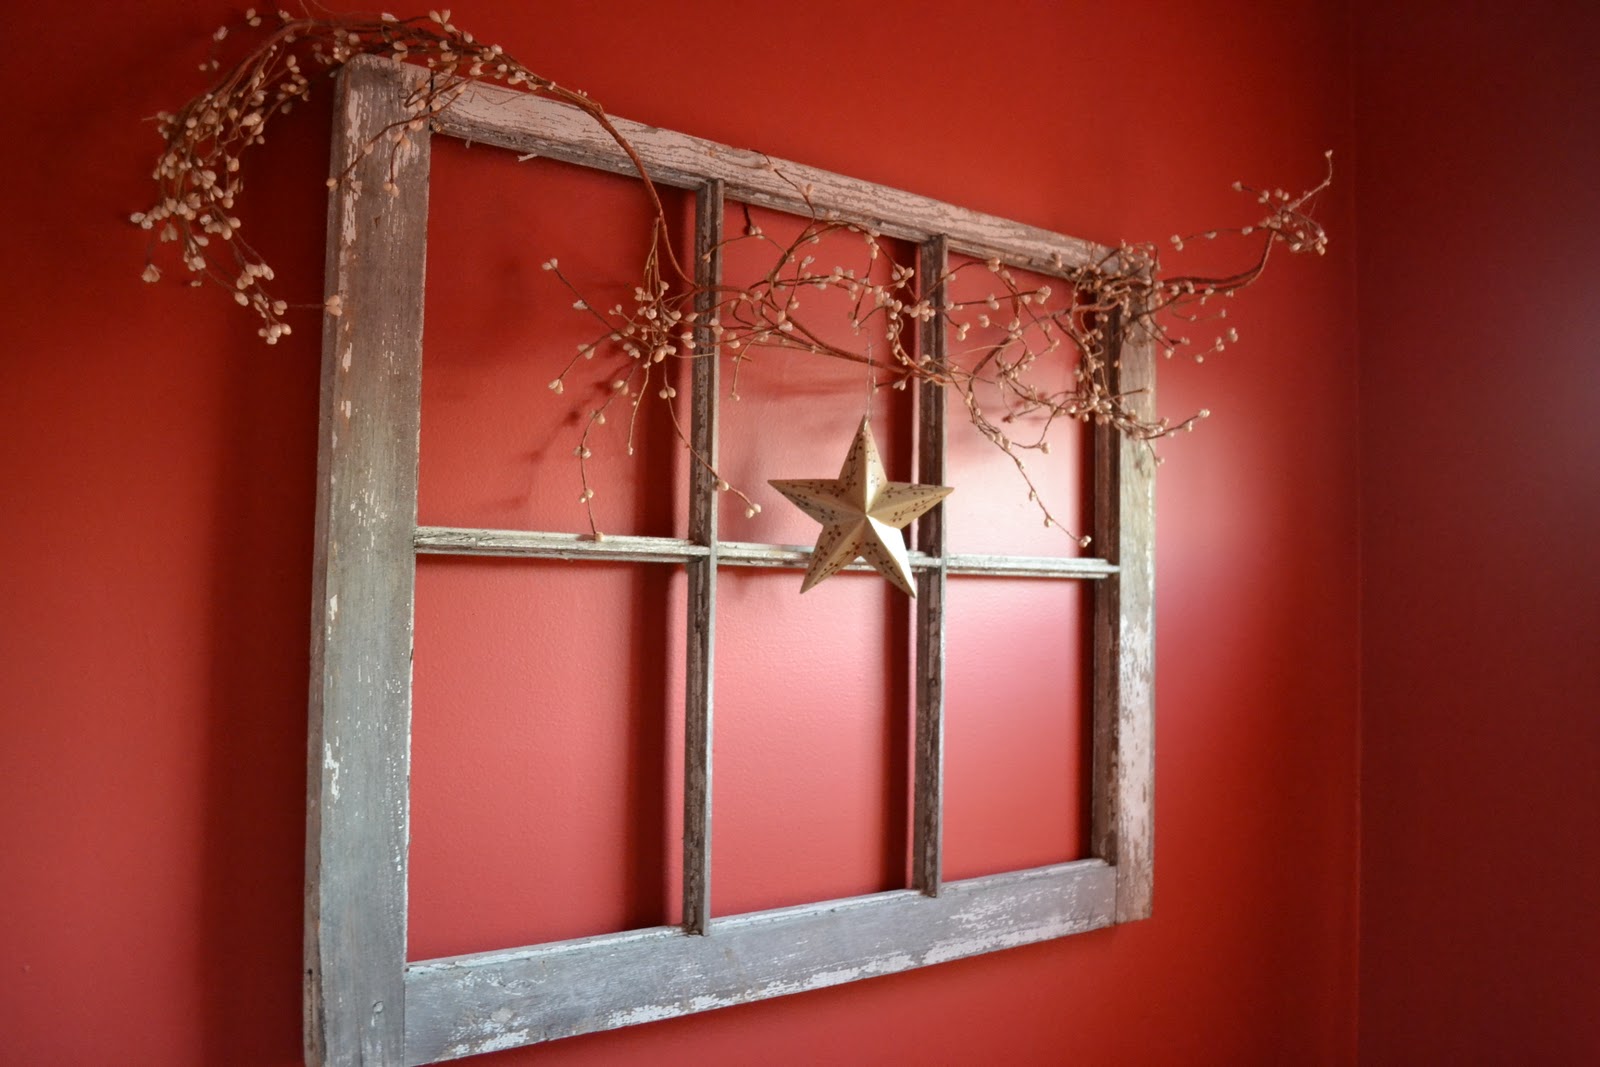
(1001, 340)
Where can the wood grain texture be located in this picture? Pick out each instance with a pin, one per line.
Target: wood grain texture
(701, 642)
(472, 1004)
(492, 114)
(927, 806)
(360, 702)
(1122, 808)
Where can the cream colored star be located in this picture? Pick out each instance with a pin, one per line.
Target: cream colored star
(861, 513)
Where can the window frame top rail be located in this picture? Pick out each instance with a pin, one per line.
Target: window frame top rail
(528, 124)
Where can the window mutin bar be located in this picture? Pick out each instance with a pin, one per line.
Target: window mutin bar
(531, 544)
(927, 807)
(700, 642)
(535, 544)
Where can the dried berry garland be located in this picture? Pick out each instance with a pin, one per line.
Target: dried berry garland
(1001, 341)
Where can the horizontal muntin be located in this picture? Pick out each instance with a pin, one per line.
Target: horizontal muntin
(530, 544)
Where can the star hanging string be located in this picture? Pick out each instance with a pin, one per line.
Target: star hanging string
(861, 513)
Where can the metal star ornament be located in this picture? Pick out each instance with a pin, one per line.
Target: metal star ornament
(862, 513)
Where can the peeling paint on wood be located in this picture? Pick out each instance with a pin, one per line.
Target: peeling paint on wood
(492, 114)
(1122, 829)
(574, 987)
(357, 803)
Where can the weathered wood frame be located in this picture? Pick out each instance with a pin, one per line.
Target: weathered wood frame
(365, 1004)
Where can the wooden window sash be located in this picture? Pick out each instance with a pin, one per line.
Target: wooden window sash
(365, 1002)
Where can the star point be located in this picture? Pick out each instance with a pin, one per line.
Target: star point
(861, 513)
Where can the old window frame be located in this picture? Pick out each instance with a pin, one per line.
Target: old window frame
(365, 1003)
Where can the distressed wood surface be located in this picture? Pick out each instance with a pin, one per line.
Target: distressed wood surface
(492, 114)
(360, 702)
(1122, 813)
(471, 1004)
(1027, 566)
(364, 1004)
(700, 671)
(927, 807)
(466, 541)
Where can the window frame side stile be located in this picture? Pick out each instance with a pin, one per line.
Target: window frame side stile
(1122, 813)
(364, 574)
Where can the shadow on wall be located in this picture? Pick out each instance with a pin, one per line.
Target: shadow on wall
(260, 582)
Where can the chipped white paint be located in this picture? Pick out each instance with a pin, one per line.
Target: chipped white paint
(1003, 939)
(348, 231)
(898, 961)
(331, 765)
(509, 1039)
(357, 817)
(596, 983)
(653, 1013)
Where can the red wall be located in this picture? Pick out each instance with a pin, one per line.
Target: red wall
(1478, 147)
(158, 468)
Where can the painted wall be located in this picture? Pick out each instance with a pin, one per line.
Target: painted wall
(158, 468)
(1479, 140)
